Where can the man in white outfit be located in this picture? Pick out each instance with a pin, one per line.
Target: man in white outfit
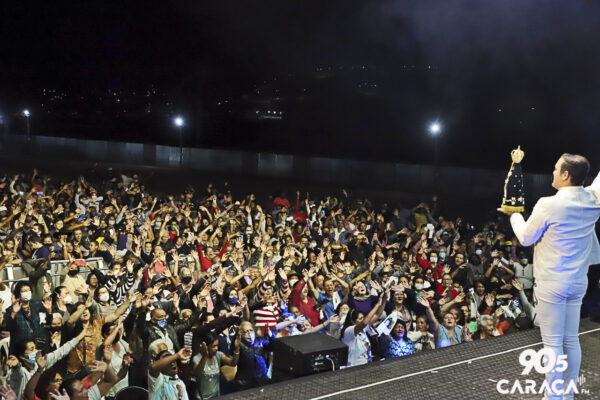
(562, 228)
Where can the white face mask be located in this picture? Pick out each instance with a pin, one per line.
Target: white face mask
(293, 282)
(103, 297)
(442, 255)
(524, 261)
(68, 299)
(419, 286)
(26, 296)
(479, 252)
(433, 259)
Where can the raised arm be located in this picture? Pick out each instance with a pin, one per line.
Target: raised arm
(433, 322)
(121, 310)
(378, 309)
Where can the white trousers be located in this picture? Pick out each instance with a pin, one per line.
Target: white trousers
(558, 308)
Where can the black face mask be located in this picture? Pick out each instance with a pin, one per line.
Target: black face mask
(55, 329)
(186, 279)
(73, 272)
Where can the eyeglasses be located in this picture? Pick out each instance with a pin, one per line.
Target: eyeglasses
(57, 380)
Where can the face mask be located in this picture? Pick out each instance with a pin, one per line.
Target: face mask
(313, 245)
(442, 255)
(103, 297)
(54, 329)
(293, 282)
(233, 300)
(158, 224)
(249, 338)
(111, 222)
(433, 259)
(162, 323)
(524, 261)
(419, 286)
(186, 279)
(31, 357)
(68, 299)
(26, 296)
(73, 272)
(479, 252)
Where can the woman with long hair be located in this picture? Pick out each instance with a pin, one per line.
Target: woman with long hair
(397, 344)
(353, 335)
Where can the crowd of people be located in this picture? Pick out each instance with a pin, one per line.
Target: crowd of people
(195, 287)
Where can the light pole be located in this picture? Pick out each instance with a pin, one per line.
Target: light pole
(435, 128)
(26, 114)
(179, 122)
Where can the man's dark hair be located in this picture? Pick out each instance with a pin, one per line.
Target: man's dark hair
(18, 286)
(577, 166)
(68, 385)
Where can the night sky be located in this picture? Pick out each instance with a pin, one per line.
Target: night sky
(495, 73)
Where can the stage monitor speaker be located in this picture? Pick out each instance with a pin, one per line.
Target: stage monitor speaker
(302, 355)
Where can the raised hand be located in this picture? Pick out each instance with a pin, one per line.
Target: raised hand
(129, 266)
(424, 302)
(489, 299)
(238, 338)
(375, 285)
(12, 362)
(282, 274)
(16, 306)
(185, 355)
(239, 243)
(7, 393)
(517, 284)
(47, 303)
(98, 366)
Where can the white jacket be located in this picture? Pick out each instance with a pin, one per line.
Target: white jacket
(562, 228)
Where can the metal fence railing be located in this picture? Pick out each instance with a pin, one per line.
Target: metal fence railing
(14, 273)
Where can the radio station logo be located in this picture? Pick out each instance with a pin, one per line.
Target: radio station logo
(543, 361)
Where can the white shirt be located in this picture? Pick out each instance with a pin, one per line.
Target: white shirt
(165, 388)
(358, 347)
(563, 227)
(524, 273)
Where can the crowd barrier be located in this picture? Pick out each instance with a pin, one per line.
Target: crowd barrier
(14, 273)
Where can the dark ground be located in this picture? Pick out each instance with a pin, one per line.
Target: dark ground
(468, 371)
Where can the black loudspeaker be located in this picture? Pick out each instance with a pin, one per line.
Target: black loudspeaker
(302, 355)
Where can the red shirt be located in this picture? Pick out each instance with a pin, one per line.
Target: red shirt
(206, 263)
(307, 309)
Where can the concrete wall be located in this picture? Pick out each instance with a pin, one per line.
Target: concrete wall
(478, 183)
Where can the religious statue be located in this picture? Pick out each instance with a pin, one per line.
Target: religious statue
(514, 191)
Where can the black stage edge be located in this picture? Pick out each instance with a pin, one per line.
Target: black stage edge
(466, 371)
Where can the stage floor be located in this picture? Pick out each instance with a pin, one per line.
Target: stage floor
(467, 371)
